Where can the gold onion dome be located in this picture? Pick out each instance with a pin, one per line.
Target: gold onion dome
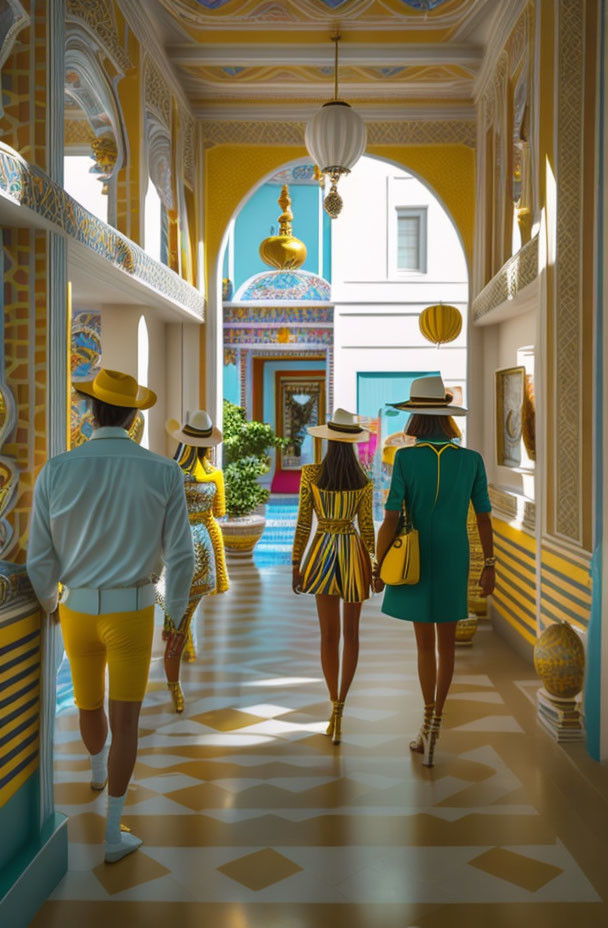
(440, 323)
(283, 250)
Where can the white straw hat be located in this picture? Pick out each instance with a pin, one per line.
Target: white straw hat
(198, 430)
(342, 426)
(429, 397)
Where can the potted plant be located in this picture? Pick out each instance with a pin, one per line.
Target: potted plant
(246, 446)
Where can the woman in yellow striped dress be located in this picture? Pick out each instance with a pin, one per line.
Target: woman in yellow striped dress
(338, 565)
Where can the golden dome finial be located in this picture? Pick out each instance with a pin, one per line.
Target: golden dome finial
(283, 250)
(286, 217)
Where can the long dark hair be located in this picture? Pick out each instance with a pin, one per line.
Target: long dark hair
(341, 468)
(187, 456)
(432, 427)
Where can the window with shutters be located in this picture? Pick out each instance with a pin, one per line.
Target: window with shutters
(411, 240)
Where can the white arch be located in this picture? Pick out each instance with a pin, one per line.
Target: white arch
(214, 354)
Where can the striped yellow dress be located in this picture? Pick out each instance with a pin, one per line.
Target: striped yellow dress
(338, 562)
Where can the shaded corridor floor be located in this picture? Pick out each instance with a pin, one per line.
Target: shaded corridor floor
(250, 817)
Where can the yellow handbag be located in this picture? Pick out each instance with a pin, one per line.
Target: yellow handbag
(401, 563)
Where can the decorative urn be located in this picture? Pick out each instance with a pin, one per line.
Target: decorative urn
(559, 660)
(242, 533)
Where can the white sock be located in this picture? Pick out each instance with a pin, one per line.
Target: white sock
(99, 765)
(115, 807)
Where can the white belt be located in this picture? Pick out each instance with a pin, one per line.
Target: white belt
(112, 599)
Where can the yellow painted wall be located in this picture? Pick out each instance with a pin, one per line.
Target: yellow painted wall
(231, 171)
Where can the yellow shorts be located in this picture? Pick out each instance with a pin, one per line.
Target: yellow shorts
(122, 640)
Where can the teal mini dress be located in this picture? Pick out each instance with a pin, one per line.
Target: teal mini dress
(437, 480)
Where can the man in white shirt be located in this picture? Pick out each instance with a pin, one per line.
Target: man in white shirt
(107, 515)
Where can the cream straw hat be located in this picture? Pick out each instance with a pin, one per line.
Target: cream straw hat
(429, 397)
(198, 430)
(342, 426)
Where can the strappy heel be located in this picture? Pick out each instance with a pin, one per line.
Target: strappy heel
(329, 731)
(337, 715)
(417, 745)
(177, 695)
(430, 740)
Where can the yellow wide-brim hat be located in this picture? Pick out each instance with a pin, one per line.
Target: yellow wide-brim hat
(342, 426)
(198, 430)
(117, 389)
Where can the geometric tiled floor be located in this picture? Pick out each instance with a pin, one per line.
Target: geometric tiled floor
(250, 817)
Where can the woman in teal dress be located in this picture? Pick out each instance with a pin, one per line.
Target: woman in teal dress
(436, 479)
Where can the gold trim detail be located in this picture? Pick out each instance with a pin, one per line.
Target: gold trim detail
(404, 132)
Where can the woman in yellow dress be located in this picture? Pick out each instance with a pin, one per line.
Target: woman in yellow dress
(338, 565)
(206, 501)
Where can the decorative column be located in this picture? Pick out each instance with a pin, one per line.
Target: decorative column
(33, 425)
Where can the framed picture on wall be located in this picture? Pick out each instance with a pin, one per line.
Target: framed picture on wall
(510, 393)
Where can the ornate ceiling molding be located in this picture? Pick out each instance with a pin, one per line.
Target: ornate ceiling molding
(407, 132)
(97, 17)
(157, 96)
(506, 23)
(494, 93)
(225, 55)
(14, 18)
(138, 17)
(87, 84)
(357, 15)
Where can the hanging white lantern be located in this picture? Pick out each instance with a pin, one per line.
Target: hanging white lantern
(335, 138)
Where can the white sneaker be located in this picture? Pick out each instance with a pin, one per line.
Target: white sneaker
(127, 844)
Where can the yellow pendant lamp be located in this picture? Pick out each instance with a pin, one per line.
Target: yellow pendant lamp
(440, 323)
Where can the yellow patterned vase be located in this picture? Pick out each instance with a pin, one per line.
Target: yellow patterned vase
(242, 534)
(465, 630)
(559, 659)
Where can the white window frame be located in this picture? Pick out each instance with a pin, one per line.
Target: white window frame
(420, 212)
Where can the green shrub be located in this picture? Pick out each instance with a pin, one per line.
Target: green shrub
(246, 446)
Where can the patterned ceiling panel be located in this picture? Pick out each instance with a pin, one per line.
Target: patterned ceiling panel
(425, 14)
(271, 51)
(298, 75)
(280, 82)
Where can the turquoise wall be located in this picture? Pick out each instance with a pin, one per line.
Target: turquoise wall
(254, 222)
(377, 388)
(269, 371)
(232, 388)
(19, 822)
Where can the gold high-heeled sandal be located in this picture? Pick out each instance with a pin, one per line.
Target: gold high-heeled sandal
(177, 695)
(417, 745)
(430, 740)
(332, 720)
(337, 732)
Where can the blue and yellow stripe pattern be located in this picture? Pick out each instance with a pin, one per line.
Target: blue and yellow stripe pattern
(565, 589)
(514, 598)
(19, 702)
